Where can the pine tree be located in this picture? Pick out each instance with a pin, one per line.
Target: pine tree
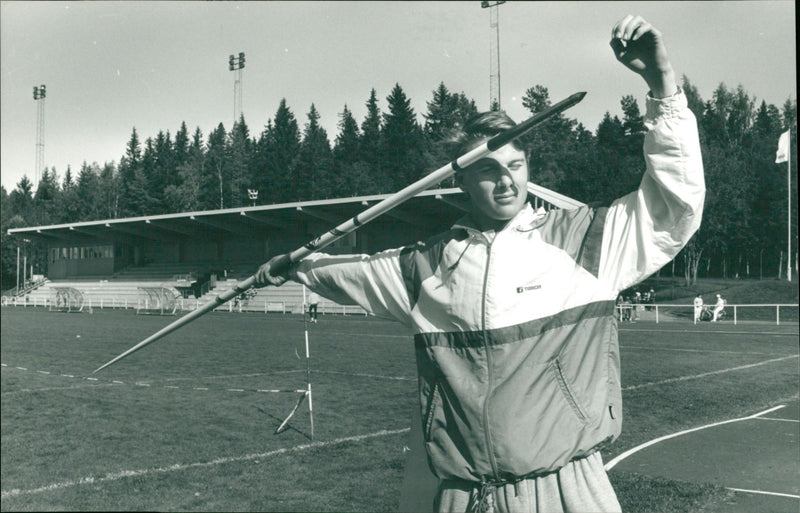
(190, 193)
(351, 175)
(372, 144)
(88, 193)
(312, 178)
(69, 207)
(346, 147)
(402, 141)
(278, 148)
(46, 197)
(21, 200)
(181, 146)
(240, 163)
(109, 191)
(217, 160)
(446, 112)
(128, 166)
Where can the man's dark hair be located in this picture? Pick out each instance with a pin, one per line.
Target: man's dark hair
(477, 129)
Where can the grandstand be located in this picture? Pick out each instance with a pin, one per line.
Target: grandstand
(197, 255)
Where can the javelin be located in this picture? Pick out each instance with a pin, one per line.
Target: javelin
(369, 214)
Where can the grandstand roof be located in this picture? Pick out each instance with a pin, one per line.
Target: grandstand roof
(443, 205)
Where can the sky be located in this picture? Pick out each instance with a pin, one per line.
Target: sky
(113, 66)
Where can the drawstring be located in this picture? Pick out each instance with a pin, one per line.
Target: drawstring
(458, 260)
(481, 502)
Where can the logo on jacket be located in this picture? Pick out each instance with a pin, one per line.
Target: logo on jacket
(520, 290)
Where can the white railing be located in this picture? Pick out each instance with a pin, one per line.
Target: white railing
(637, 311)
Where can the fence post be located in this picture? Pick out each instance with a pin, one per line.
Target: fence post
(777, 315)
(734, 315)
(656, 314)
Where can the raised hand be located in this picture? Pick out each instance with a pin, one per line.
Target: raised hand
(640, 47)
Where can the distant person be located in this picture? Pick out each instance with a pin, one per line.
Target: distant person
(718, 307)
(512, 309)
(636, 300)
(313, 303)
(698, 307)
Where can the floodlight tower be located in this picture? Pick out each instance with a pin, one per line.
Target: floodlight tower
(237, 64)
(253, 195)
(494, 52)
(39, 94)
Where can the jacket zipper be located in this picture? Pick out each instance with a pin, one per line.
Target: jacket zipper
(490, 384)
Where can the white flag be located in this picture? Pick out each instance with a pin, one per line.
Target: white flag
(783, 148)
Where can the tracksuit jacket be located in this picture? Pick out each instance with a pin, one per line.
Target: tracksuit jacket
(515, 337)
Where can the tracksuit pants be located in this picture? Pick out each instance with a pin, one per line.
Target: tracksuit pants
(581, 486)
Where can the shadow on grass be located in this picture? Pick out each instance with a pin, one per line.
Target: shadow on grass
(279, 420)
(640, 493)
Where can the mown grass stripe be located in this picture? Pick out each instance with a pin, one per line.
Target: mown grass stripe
(706, 374)
(115, 476)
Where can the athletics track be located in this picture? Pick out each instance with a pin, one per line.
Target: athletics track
(758, 457)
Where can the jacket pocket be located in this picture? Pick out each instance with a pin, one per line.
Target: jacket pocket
(567, 392)
(434, 403)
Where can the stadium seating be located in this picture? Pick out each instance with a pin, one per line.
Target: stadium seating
(123, 290)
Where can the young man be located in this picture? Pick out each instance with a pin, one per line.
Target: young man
(698, 307)
(313, 303)
(718, 307)
(512, 309)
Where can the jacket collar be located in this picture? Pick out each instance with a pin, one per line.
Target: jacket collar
(525, 220)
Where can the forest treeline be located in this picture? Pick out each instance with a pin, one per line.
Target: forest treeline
(744, 226)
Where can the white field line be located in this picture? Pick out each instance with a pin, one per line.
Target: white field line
(177, 467)
(724, 332)
(775, 419)
(371, 335)
(684, 350)
(361, 375)
(405, 378)
(224, 376)
(761, 492)
(629, 452)
(189, 387)
(50, 389)
(706, 374)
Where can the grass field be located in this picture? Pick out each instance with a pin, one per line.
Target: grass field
(182, 425)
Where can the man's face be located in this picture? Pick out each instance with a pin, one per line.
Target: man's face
(497, 185)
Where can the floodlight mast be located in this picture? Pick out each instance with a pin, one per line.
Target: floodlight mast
(494, 52)
(368, 215)
(39, 94)
(237, 64)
